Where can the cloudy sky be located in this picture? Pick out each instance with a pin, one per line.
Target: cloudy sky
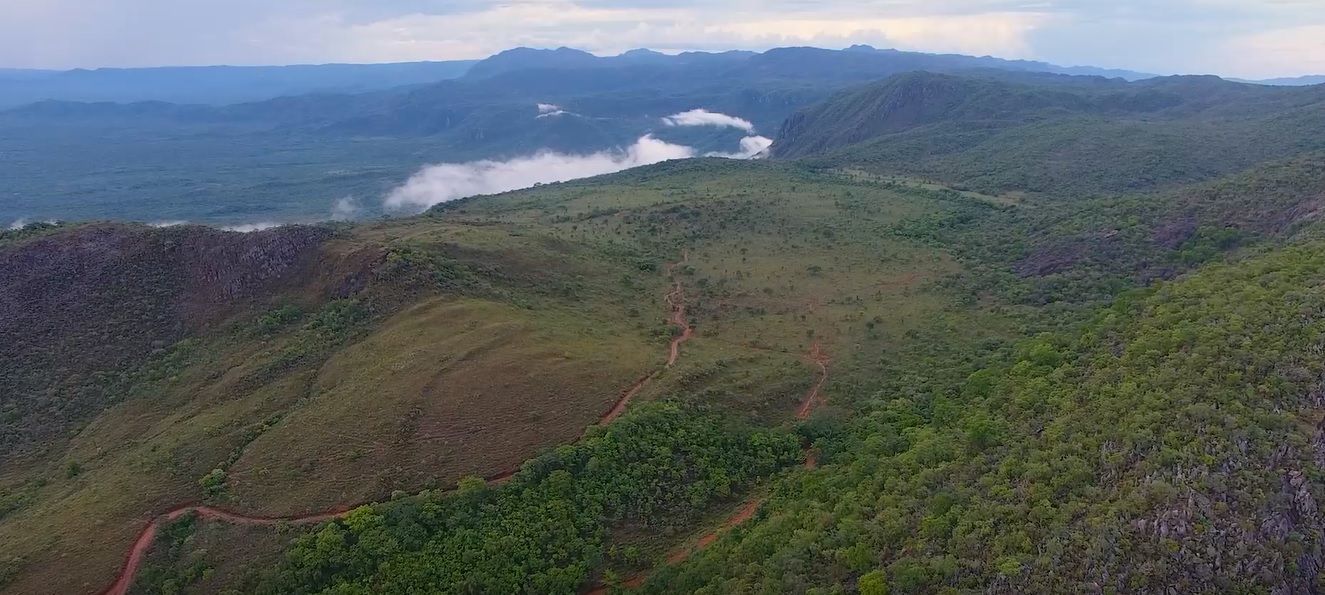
(1250, 38)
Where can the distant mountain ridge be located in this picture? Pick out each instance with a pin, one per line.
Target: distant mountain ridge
(1292, 81)
(861, 59)
(762, 87)
(215, 85)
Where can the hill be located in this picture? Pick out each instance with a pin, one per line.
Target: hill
(115, 295)
(1067, 136)
(1293, 81)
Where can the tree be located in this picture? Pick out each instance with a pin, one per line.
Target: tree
(873, 583)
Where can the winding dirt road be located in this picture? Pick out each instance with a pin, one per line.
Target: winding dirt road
(812, 400)
(675, 300)
(144, 541)
(676, 304)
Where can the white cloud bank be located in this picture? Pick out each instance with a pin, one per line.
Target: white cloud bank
(703, 117)
(445, 182)
(550, 110)
(346, 209)
(448, 181)
(23, 222)
(252, 227)
(752, 147)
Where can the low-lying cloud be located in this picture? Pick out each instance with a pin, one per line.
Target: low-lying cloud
(252, 227)
(448, 181)
(752, 147)
(703, 117)
(551, 110)
(22, 223)
(346, 209)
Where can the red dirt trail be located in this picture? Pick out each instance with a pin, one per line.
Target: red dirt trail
(813, 399)
(144, 541)
(676, 304)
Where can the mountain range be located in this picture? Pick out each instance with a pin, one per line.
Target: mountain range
(359, 145)
(215, 85)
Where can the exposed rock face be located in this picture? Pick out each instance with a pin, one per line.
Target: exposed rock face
(81, 307)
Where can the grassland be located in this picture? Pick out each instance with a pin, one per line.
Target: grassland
(495, 329)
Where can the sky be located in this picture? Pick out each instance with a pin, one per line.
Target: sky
(1243, 38)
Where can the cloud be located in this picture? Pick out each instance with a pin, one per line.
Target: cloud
(445, 182)
(346, 209)
(548, 110)
(1289, 51)
(252, 227)
(139, 32)
(752, 147)
(703, 117)
(23, 222)
(1001, 33)
(1168, 36)
(449, 181)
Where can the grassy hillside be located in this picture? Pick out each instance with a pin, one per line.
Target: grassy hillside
(115, 295)
(891, 384)
(1075, 427)
(484, 334)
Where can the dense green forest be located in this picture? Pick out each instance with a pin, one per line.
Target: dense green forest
(544, 531)
(1172, 442)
